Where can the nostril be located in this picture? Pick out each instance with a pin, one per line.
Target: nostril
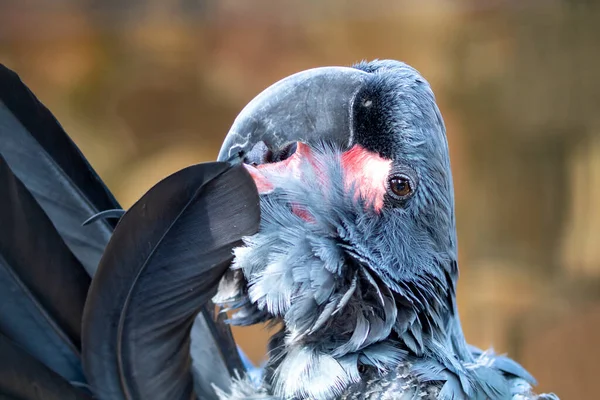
(287, 151)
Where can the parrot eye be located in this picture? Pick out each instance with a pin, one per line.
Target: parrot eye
(400, 186)
(402, 183)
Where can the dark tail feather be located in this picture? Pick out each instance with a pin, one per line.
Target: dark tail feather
(53, 169)
(22, 377)
(161, 266)
(43, 286)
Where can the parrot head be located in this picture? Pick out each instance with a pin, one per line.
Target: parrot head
(356, 254)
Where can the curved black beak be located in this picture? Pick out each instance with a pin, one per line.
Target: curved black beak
(313, 105)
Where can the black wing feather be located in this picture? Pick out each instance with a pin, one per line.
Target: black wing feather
(161, 266)
(52, 168)
(46, 160)
(43, 286)
(22, 377)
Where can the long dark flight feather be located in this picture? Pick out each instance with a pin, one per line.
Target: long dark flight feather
(162, 264)
(43, 286)
(46, 160)
(50, 165)
(22, 377)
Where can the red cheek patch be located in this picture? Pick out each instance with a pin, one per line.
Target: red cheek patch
(364, 171)
(367, 172)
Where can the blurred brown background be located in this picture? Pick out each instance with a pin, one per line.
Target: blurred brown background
(146, 88)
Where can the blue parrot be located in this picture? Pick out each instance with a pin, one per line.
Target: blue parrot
(356, 255)
(329, 214)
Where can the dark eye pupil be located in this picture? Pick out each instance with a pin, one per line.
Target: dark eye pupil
(400, 186)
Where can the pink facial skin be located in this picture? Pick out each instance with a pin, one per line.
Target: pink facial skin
(364, 171)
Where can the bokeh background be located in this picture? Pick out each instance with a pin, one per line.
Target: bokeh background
(148, 87)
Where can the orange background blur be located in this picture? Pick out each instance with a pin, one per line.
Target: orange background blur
(147, 88)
